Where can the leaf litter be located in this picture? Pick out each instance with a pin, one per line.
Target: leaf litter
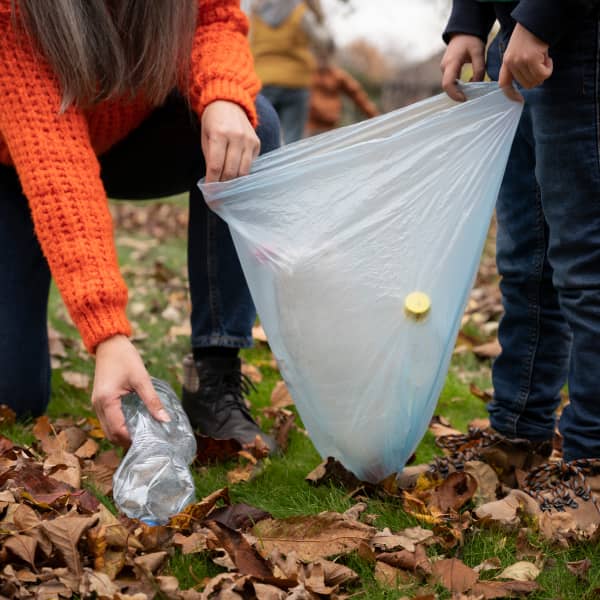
(58, 540)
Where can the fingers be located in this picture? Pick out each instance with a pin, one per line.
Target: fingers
(228, 158)
(478, 63)
(505, 81)
(147, 393)
(451, 71)
(111, 418)
(215, 150)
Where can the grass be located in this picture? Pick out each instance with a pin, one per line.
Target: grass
(281, 488)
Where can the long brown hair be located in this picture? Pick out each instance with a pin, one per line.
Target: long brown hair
(99, 49)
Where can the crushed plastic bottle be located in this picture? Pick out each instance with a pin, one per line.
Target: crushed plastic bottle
(154, 481)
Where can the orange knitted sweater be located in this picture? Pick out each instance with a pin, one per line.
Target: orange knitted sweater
(55, 155)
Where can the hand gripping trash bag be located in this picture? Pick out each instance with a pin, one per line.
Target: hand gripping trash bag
(337, 233)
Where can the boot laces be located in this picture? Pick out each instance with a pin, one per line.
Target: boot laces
(462, 448)
(559, 485)
(231, 387)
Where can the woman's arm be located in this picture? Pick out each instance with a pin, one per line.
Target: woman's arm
(223, 89)
(60, 176)
(222, 67)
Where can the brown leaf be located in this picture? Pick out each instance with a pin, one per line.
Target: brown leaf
(27, 520)
(81, 381)
(489, 350)
(7, 415)
(247, 560)
(244, 472)
(454, 575)
(5, 444)
(524, 549)
(258, 333)
(252, 372)
(503, 589)
(97, 585)
(455, 491)
(64, 533)
(391, 577)
(63, 466)
(580, 568)
(416, 561)
(37, 487)
(212, 450)
(239, 516)
(88, 449)
(198, 511)
(333, 472)
(268, 592)
(285, 421)
(191, 544)
(487, 481)
(44, 432)
(479, 393)
(280, 397)
(491, 564)
(507, 510)
(150, 563)
(312, 537)
(440, 426)
(385, 540)
(55, 343)
(22, 546)
(520, 571)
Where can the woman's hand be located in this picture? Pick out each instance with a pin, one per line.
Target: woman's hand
(120, 370)
(462, 49)
(527, 60)
(229, 142)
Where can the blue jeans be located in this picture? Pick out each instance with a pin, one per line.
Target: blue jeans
(292, 106)
(160, 158)
(548, 254)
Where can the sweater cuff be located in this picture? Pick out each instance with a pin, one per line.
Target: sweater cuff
(225, 89)
(470, 17)
(546, 20)
(99, 324)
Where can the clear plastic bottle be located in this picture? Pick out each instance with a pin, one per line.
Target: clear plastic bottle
(154, 481)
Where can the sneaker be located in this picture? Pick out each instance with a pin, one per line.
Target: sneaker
(564, 496)
(511, 458)
(213, 398)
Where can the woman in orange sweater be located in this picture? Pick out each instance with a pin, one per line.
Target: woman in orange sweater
(135, 99)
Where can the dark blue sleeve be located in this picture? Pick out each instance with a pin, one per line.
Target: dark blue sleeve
(545, 19)
(471, 17)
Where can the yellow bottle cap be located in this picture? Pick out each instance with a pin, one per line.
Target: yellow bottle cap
(417, 305)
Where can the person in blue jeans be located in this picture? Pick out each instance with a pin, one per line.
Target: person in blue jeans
(547, 54)
(160, 158)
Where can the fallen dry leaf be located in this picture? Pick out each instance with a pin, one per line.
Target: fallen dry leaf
(520, 571)
(64, 532)
(81, 381)
(312, 537)
(454, 575)
(246, 559)
(580, 568)
(391, 577)
(280, 397)
(489, 350)
(258, 333)
(454, 492)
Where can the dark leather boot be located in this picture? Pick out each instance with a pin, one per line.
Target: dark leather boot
(213, 398)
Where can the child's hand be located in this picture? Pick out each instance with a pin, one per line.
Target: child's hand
(462, 49)
(526, 60)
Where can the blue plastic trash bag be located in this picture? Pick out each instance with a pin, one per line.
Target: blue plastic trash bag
(335, 235)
